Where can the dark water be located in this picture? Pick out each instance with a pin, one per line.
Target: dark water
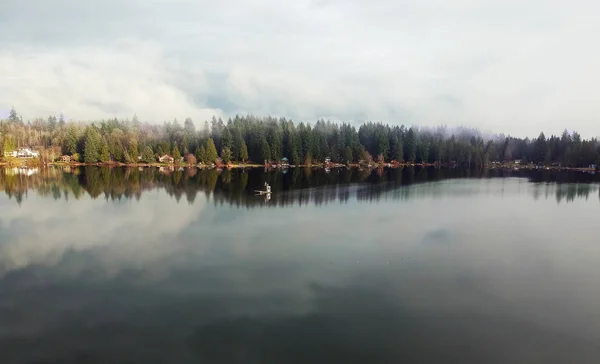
(392, 266)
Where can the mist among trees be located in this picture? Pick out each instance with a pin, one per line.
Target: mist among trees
(256, 139)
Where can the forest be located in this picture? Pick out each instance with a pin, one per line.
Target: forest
(252, 139)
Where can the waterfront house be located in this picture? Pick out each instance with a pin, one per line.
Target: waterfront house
(23, 153)
(65, 158)
(27, 153)
(166, 159)
(285, 162)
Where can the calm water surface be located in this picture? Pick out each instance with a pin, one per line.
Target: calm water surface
(392, 266)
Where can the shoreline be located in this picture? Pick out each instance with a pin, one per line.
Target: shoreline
(28, 164)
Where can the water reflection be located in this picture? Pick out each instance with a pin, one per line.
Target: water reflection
(464, 270)
(297, 186)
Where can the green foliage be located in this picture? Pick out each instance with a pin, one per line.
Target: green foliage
(176, 155)
(104, 154)
(226, 139)
(265, 151)
(148, 155)
(226, 154)
(211, 151)
(410, 146)
(243, 152)
(348, 154)
(132, 150)
(71, 140)
(399, 151)
(92, 146)
(201, 154)
(10, 144)
(257, 139)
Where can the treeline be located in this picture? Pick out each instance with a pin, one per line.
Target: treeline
(250, 138)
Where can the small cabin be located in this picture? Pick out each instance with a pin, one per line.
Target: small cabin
(65, 158)
(285, 161)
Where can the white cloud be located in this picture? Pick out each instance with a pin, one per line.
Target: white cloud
(93, 82)
(134, 236)
(505, 66)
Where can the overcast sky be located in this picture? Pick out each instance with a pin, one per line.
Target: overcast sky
(507, 66)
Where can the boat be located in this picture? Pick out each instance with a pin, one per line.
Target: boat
(267, 190)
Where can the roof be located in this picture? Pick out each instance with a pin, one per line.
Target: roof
(284, 159)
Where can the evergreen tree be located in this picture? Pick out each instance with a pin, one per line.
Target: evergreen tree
(383, 144)
(201, 154)
(540, 149)
(243, 152)
(104, 155)
(410, 146)
(10, 144)
(148, 155)
(226, 139)
(399, 151)
(176, 155)
(13, 117)
(226, 154)
(132, 150)
(92, 146)
(211, 151)
(71, 140)
(265, 150)
(348, 154)
(237, 144)
(51, 123)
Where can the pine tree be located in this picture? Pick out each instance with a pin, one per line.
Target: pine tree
(104, 155)
(410, 146)
(226, 139)
(132, 149)
(148, 155)
(226, 154)
(399, 152)
(92, 145)
(243, 152)
(13, 117)
(71, 139)
(51, 123)
(10, 144)
(211, 151)
(348, 154)
(265, 150)
(176, 155)
(201, 154)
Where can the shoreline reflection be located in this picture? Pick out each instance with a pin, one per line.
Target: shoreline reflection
(299, 186)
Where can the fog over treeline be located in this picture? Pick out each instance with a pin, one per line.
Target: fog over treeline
(257, 139)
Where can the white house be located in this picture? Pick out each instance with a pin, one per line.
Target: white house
(23, 153)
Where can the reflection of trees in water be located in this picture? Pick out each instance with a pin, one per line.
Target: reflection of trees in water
(299, 186)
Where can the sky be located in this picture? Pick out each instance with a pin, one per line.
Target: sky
(502, 66)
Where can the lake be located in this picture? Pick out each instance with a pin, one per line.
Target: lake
(407, 265)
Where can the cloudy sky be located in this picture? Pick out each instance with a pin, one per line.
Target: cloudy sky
(499, 65)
